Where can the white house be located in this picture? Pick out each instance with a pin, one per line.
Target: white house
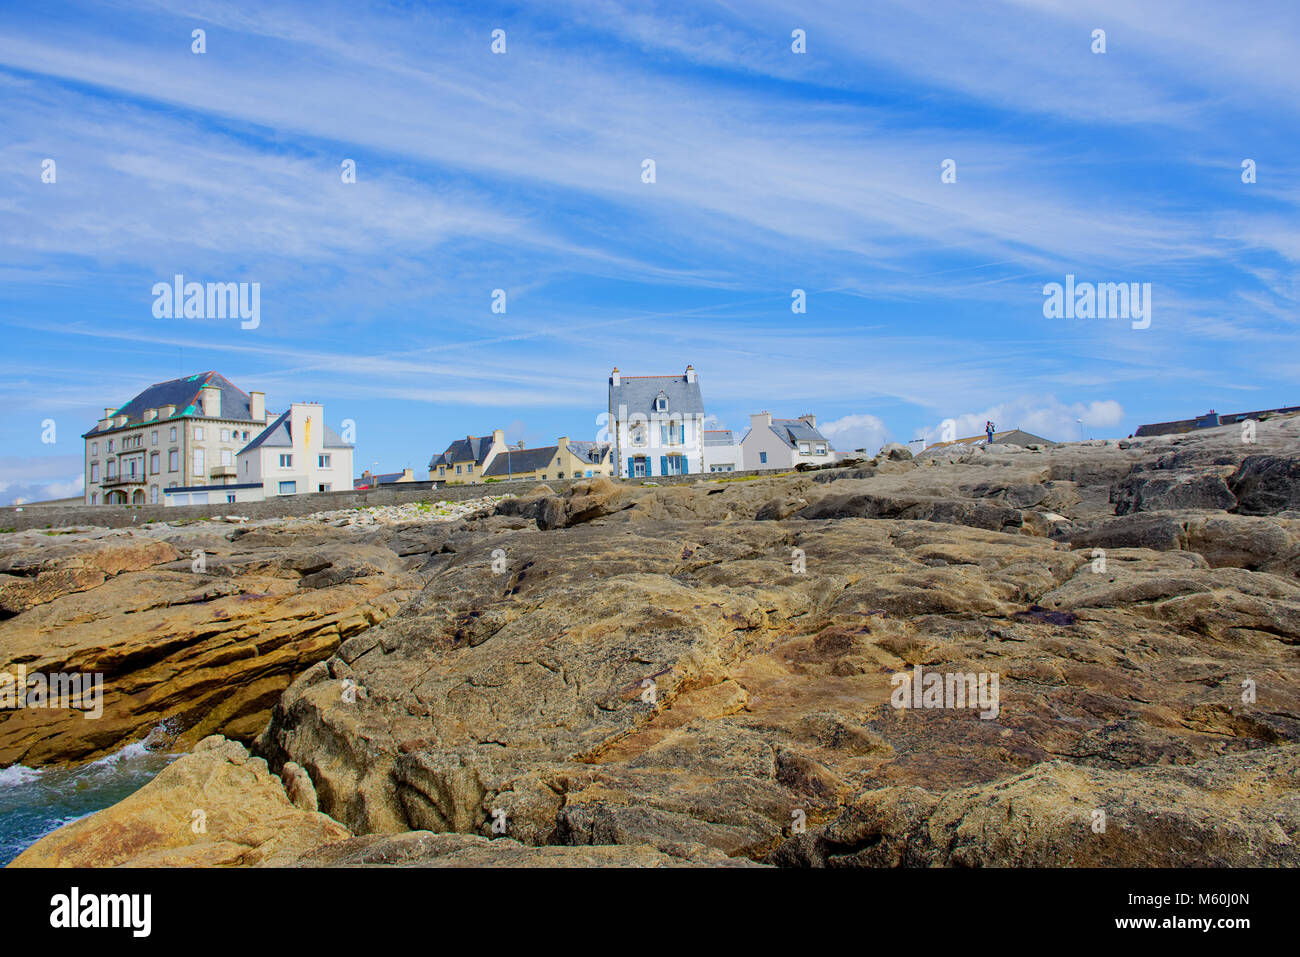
(656, 424)
(722, 453)
(297, 453)
(784, 443)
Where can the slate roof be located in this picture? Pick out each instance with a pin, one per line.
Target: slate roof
(594, 453)
(279, 435)
(719, 437)
(638, 392)
(184, 394)
(793, 431)
(471, 448)
(522, 460)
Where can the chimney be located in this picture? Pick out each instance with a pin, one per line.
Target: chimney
(810, 419)
(150, 414)
(108, 413)
(760, 420)
(614, 378)
(690, 373)
(257, 406)
(563, 442)
(408, 475)
(210, 397)
(498, 436)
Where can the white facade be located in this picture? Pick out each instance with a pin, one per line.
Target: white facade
(722, 453)
(784, 443)
(213, 495)
(297, 453)
(656, 424)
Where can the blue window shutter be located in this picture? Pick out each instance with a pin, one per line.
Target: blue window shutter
(681, 433)
(663, 465)
(630, 471)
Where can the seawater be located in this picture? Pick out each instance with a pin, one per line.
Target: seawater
(36, 801)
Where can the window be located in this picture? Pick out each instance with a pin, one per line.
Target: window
(198, 432)
(676, 465)
(227, 457)
(110, 445)
(323, 487)
(288, 488)
(821, 450)
(661, 403)
(94, 471)
(94, 448)
(442, 470)
(470, 468)
(198, 462)
(230, 496)
(762, 458)
(112, 469)
(323, 461)
(805, 448)
(173, 435)
(672, 434)
(638, 436)
(131, 466)
(457, 469)
(173, 460)
(286, 461)
(153, 437)
(245, 466)
(153, 494)
(560, 476)
(153, 463)
(225, 435)
(94, 498)
(638, 467)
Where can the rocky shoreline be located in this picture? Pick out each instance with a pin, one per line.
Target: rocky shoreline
(704, 674)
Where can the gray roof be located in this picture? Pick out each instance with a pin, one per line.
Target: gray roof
(793, 431)
(184, 394)
(592, 452)
(469, 449)
(719, 437)
(279, 434)
(637, 393)
(522, 460)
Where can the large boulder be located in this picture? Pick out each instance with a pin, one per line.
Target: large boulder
(214, 807)
(1157, 490)
(1229, 811)
(1267, 484)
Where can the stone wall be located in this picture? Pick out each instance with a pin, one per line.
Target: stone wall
(23, 517)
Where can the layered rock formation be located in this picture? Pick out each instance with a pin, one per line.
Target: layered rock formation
(195, 629)
(701, 673)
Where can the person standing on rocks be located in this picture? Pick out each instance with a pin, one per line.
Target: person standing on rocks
(988, 431)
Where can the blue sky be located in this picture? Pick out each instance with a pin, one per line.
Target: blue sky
(522, 171)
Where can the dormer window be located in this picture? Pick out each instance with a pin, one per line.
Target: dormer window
(661, 403)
